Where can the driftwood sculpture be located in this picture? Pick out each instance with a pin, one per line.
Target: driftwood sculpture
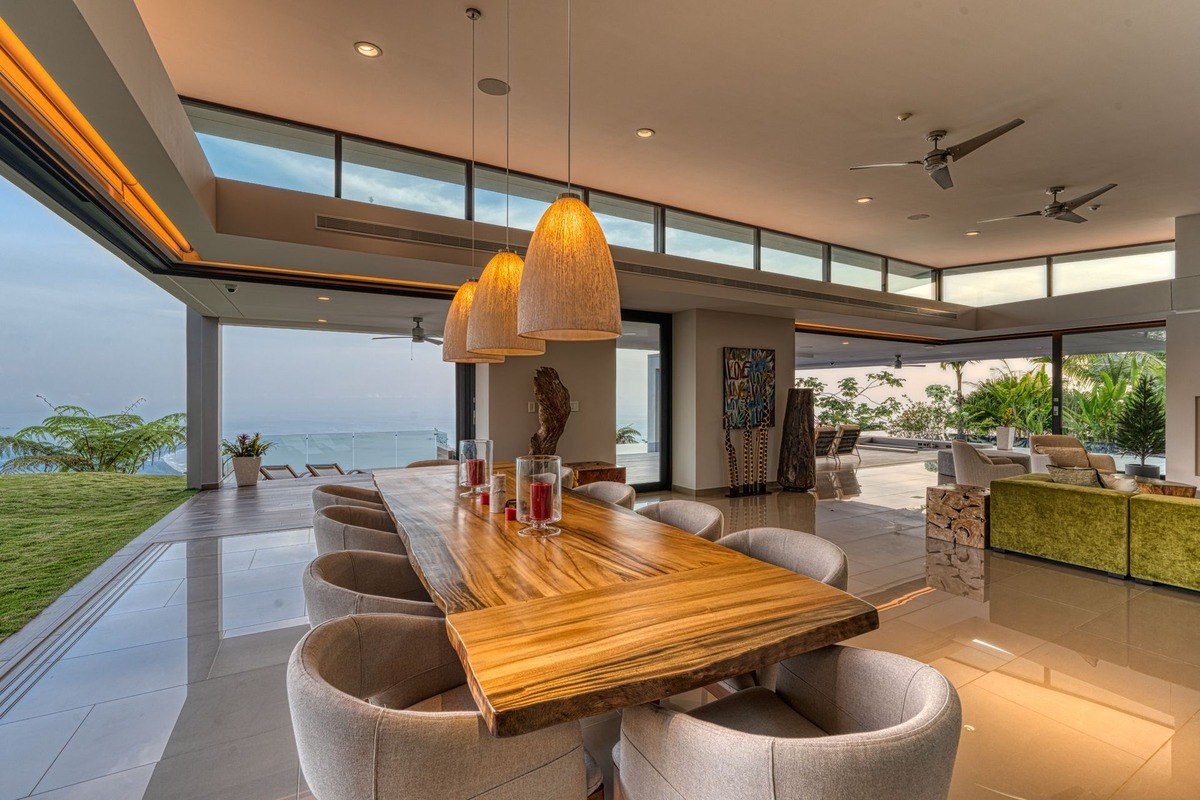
(732, 462)
(553, 408)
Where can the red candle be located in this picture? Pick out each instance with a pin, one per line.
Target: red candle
(485, 498)
(510, 514)
(539, 501)
(475, 471)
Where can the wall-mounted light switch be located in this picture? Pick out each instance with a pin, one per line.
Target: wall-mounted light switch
(574, 405)
(532, 407)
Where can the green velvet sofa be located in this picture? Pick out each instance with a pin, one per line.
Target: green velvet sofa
(1073, 524)
(1164, 540)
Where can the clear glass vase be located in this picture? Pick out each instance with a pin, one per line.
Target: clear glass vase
(539, 494)
(474, 466)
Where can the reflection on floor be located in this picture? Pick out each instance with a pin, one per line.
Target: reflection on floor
(171, 684)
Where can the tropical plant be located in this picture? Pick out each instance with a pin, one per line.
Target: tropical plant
(926, 419)
(1142, 421)
(245, 446)
(627, 434)
(73, 439)
(1091, 414)
(1019, 400)
(960, 420)
(851, 403)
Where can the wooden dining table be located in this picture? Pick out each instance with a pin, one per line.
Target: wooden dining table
(616, 610)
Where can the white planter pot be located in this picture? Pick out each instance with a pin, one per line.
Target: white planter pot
(1004, 437)
(245, 470)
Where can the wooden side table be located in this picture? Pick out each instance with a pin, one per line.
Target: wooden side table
(1168, 488)
(592, 471)
(958, 513)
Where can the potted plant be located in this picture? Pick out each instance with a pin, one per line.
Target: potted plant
(1142, 426)
(1007, 428)
(246, 453)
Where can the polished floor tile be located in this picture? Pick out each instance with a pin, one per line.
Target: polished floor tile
(29, 747)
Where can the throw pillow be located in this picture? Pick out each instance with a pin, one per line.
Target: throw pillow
(1122, 483)
(1066, 456)
(1074, 476)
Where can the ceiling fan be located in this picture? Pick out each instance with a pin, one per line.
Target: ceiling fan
(418, 334)
(899, 364)
(937, 161)
(1060, 210)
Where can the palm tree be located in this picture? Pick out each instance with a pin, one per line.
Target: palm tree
(627, 434)
(72, 439)
(957, 367)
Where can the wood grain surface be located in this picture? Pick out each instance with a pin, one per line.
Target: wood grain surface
(617, 610)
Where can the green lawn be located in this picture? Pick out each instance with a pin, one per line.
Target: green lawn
(56, 528)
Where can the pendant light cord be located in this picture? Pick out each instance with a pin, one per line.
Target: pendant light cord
(570, 87)
(473, 17)
(507, 122)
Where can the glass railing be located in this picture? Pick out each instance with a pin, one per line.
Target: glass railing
(360, 450)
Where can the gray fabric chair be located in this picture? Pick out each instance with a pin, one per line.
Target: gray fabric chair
(973, 468)
(802, 553)
(339, 584)
(433, 462)
(692, 516)
(619, 494)
(344, 494)
(844, 724)
(381, 712)
(356, 528)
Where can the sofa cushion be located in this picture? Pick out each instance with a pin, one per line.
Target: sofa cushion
(1115, 480)
(1164, 540)
(1074, 476)
(1066, 456)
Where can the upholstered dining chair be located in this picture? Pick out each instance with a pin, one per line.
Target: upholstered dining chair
(973, 468)
(1065, 451)
(341, 583)
(845, 723)
(345, 494)
(433, 462)
(704, 520)
(797, 551)
(619, 494)
(356, 528)
(381, 712)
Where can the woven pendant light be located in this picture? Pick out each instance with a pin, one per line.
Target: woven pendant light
(569, 285)
(492, 329)
(454, 336)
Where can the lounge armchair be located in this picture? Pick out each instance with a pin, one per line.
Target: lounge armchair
(973, 468)
(272, 472)
(826, 435)
(846, 443)
(326, 470)
(1040, 454)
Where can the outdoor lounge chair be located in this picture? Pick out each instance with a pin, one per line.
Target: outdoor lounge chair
(325, 470)
(273, 472)
(846, 443)
(826, 435)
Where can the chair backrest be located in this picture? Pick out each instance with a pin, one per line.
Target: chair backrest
(692, 516)
(356, 528)
(324, 470)
(433, 462)
(1054, 440)
(276, 471)
(826, 435)
(344, 494)
(800, 552)
(847, 439)
(341, 583)
(351, 686)
(619, 494)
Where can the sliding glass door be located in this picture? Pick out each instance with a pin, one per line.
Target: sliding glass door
(644, 400)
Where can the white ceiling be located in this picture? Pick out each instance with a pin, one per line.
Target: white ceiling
(760, 107)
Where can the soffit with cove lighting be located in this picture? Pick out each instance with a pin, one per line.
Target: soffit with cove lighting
(759, 108)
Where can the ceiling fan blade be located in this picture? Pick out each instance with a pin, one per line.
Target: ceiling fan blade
(971, 145)
(942, 177)
(1083, 198)
(1014, 216)
(1070, 216)
(893, 164)
(377, 338)
(434, 340)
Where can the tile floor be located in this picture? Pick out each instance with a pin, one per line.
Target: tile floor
(171, 684)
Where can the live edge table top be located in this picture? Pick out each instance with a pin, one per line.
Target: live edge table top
(617, 610)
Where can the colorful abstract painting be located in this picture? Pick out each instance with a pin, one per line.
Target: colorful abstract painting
(749, 387)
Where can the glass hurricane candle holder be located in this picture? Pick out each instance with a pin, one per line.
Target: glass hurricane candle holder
(474, 466)
(539, 494)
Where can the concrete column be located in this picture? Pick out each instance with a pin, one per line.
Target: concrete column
(203, 401)
(1183, 354)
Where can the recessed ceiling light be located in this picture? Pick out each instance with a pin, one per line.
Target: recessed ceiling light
(494, 87)
(845, 343)
(645, 133)
(322, 320)
(864, 199)
(322, 297)
(916, 217)
(368, 49)
(972, 233)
